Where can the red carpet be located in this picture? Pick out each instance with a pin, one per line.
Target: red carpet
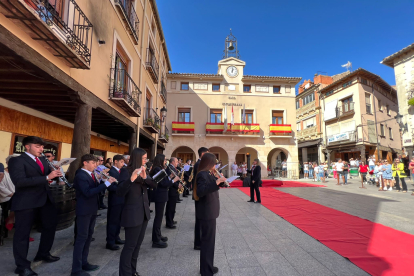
(277, 183)
(375, 248)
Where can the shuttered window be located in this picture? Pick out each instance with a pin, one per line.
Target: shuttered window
(277, 117)
(184, 115)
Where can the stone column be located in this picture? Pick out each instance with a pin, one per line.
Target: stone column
(321, 154)
(328, 153)
(81, 141)
(133, 141)
(153, 151)
(304, 155)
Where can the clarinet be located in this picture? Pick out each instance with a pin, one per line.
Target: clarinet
(61, 178)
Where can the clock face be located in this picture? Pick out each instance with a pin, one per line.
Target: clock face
(232, 71)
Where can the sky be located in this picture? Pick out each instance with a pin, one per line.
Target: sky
(293, 38)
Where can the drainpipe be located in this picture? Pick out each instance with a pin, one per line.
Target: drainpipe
(375, 116)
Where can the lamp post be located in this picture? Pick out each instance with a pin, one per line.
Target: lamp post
(248, 160)
(163, 113)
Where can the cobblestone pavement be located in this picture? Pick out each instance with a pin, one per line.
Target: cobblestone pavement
(251, 240)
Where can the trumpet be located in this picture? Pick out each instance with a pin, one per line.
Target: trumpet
(180, 191)
(61, 178)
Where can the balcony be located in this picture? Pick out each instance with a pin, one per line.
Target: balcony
(344, 137)
(129, 16)
(368, 109)
(346, 109)
(62, 28)
(305, 133)
(277, 130)
(152, 65)
(124, 92)
(163, 92)
(165, 135)
(183, 128)
(151, 120)
(246, 130)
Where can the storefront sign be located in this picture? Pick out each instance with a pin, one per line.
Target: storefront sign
(232, 104)
(338, 137)
(19, 148)
(407, 141)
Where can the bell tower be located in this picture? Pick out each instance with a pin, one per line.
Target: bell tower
(230, 47)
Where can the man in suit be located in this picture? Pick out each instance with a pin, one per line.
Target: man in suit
(256, 179)
(186, 177)
(31, 176)
(115, 206)
(87, 203)
(172, 196)
(197, 230)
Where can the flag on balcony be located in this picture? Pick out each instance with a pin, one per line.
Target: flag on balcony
(183, 126)
(232, 116)
(274, 128)
(225, 118)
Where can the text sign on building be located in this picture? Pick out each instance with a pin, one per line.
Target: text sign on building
(19, 148)
(262, 88)
(200, 86)
(338, 137)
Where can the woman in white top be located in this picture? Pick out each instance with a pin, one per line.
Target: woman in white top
(244, 169)
(234, 168)
(306, 170)
(378, 175)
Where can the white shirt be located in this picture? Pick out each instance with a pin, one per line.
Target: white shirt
(306, 166)
(371, 162)
(353, 163)
(339, 167)
(284, 164)
(31, 156)
(234, 167)
(90, 174)
(316, 169)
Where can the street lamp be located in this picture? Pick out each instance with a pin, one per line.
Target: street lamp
(163, 113)
(399, 118)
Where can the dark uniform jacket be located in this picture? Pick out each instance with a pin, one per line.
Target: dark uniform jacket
(173, 191)
(113, 199)
(207, 191)
(136, 207)
(32, 188)
(256, 175)
(161, 193)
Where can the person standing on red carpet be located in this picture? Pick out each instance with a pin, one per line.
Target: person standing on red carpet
(256, 179)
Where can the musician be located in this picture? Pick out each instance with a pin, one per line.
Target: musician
(126, 158)
(206, 193)
(197, 231)
(256, 179)
(186, 177)
(32, 199)
(115, 205)
(172, 195)
(160, 197)
(133, 184)
(87, 202)
(178, 168)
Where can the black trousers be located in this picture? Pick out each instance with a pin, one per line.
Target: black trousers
(113, 225)
(129, 255)
(254, 187)
(197, 230)
(156, 228)
(208, 239)
(24, 221)
(85, 226)
(170, 210)
(5, 208)
(101, 198)
(397, 182)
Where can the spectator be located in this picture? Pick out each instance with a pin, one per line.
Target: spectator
(357, 163)
(352, 162)
(411, 168)
(387, 176)
(244, 169)
(399, 173)
(346, 171)
(316, 172)
(339, 168)
(363, 170)
(108, 163)
(310, 165)
(371, 162)
(284, 168)
(378, 175)
(333, 165)
(325, 170)
(322, 172)
(306, 170)
(234, 168)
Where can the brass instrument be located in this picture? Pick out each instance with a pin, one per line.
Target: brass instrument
(61, 178)
(180, 191)
(190, 179)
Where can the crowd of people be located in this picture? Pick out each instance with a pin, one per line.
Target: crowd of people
(385, 175)
(131, 183)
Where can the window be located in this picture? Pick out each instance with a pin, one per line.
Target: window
(364, 81)
(247, 88)
(382, 130)
(309, 122)
(184, 115)
(308, 99)
(215, 115)
(347, 84)
(329, 93)
(276, 89)
(277, 117)
(390, 133)
(148, 97)
(298, 127)
(153, 26)
(388, 109)
(185, 86)
(287, 88)
(347, 105)
(248, 119)
(173, 85)
(368, 103)
(297, 105)
(379, 105)
(216, 87)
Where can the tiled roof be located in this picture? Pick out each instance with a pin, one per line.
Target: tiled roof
(193, 75)
(389, 60)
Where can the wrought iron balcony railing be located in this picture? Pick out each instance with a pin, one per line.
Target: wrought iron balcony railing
(124, 92)
(126, 8)
(152, 64)
(346, 109)
(163, 92)
(152, 121)
(165, 134)
(68, 23)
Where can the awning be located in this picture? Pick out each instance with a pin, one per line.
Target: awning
(330, 110)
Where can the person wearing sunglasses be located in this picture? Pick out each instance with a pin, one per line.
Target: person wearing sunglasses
(399, 174)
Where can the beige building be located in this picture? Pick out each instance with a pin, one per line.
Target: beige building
(201, 105)
(86, 76)
(359, 112)
(403, 64)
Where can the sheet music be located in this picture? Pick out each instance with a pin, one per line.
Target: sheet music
(158, 173)
(65, 161)
(186, 168)
(232, 178)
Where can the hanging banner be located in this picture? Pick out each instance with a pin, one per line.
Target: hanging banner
(338, 137)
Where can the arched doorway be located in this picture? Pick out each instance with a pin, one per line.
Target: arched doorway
(222, 156)
(241, 155)
(184, 153)
(275, 158)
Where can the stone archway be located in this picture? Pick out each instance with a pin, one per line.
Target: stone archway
(184, 153)
(222, 155)
(241, 155)
(276, 156)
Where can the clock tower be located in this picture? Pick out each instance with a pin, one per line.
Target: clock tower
(231, 67)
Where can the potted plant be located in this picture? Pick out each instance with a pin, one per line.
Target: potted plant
(149, 121)
(166, 136)
(157, 126)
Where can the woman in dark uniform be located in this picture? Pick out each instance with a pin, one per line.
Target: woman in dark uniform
(160, 197)
(133, 184)
(206, 193)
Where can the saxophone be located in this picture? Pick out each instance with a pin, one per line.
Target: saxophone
(190, 179)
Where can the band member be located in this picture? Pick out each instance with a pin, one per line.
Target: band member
(160, 197)
(115, 205)
(87, 189)
(186, 177)
(197, 233)
(206, 193)
(255, 181)
(178, 169)
(31, 175)
(133, 184)
(172, 195)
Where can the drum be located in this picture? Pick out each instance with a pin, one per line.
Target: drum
(65, 200)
